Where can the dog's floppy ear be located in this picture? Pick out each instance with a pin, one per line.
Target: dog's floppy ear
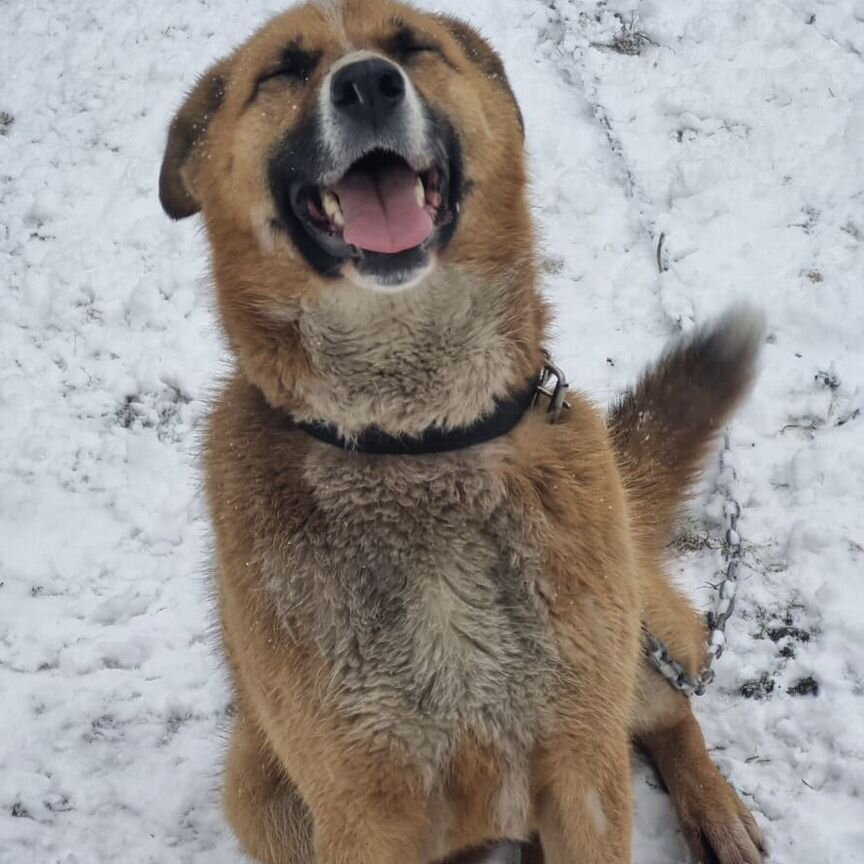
(185, 135)
(479, 51)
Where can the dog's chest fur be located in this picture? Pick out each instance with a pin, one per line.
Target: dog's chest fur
(413, 579)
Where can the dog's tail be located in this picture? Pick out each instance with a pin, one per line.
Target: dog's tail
(662, 429)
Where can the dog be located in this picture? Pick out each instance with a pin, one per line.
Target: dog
(434, 566)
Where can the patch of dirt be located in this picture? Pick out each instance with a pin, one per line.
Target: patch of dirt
(758, 688)
(808, 686)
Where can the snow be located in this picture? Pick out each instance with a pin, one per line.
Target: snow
(733, 130)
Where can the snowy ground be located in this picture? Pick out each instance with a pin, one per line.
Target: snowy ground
(733, 129)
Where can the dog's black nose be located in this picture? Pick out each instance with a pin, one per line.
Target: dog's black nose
(368, 91)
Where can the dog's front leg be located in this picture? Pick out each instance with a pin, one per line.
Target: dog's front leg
(304, 784)
(368, 804)
(583, 805)
(299, 799)
(360, 826)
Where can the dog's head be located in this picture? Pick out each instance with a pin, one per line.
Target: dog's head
(354, 139)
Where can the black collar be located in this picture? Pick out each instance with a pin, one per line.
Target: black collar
(506, 414)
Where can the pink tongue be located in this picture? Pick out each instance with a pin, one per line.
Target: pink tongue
(381, 210)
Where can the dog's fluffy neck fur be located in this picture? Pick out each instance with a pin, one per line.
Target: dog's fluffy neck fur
(438, 354)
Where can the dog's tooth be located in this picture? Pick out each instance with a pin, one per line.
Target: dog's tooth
(331, 207)
(421, 193)
(330, 203)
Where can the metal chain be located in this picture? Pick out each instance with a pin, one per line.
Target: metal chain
(658, 654)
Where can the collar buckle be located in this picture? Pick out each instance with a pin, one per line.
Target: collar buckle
(552, 383)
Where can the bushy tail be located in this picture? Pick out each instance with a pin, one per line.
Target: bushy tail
(662, 429)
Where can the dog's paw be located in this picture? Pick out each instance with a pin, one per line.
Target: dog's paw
(717, 825)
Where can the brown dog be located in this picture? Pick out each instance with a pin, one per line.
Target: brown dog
(431, 595)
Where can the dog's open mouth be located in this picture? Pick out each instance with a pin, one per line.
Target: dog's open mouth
(381, 205)
(383, 213)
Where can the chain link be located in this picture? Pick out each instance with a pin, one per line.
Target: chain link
(657, 653)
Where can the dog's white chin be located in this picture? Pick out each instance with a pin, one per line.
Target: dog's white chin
(412, 278)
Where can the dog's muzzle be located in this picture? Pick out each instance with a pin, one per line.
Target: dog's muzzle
(375, 178)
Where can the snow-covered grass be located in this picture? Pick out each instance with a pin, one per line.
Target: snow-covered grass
(733, 130)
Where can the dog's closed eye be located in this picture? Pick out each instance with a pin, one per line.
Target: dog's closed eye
(404, 44)
(295, 66)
